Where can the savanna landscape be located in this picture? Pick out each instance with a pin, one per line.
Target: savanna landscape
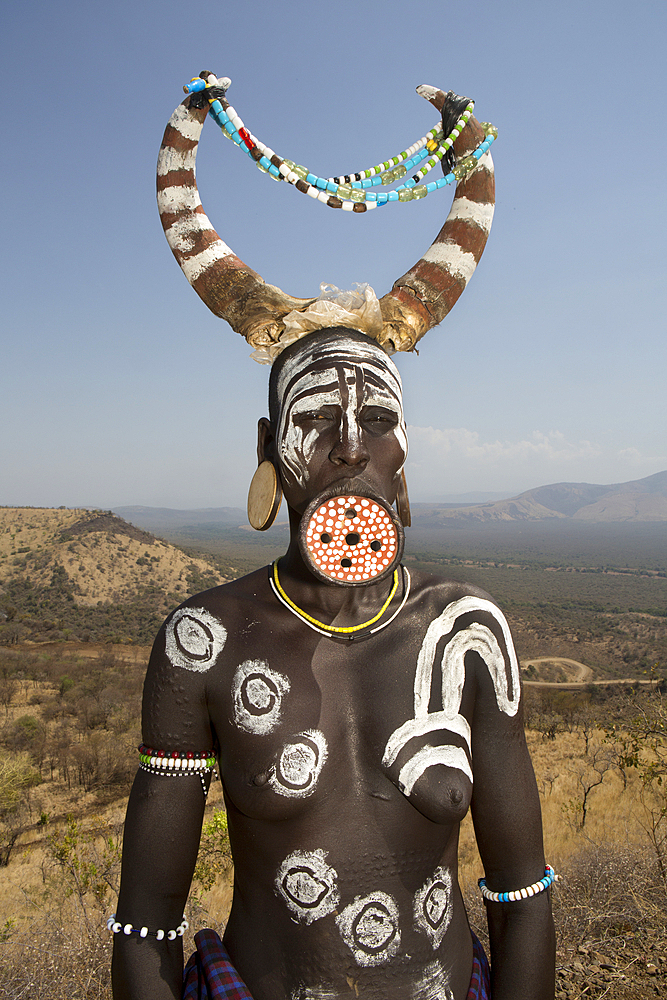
(81, 594)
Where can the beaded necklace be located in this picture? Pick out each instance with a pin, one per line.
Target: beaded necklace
(333, 631)
(351, 192)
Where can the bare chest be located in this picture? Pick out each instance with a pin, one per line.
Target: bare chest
(308, 724)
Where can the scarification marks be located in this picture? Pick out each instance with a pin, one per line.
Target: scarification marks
(257, 693)
(433, 906)
(299, 765)
(194, 638)
(308, 885)
(369, 927)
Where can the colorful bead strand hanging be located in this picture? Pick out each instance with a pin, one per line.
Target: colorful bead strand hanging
(351, 192)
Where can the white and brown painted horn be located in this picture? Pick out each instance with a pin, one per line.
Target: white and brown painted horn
(417, 302)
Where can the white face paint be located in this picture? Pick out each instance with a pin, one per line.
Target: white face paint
(257, 693)
(298, 768)
(475, 637)
(308, 885)
(346, 374)
(194, 638)
(369, 927)
(433, 906)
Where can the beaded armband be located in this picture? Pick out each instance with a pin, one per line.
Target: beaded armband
(512, 897)
(176, 764)
(116, 927)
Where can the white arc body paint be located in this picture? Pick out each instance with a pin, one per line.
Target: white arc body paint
(433, 906)
(257, 693)
(349, 375)
(315, 993)
(194, 638)
(433, 984)
(308, 885)
(298, 768)
(475, 637)
(369, 927)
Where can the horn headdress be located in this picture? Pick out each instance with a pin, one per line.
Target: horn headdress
(418, 300)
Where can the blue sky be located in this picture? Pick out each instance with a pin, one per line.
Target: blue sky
(119, 387)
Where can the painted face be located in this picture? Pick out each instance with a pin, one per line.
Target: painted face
(341, 416)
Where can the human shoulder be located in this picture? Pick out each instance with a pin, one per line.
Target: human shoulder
(460, 618)
(439, 593)
(195, 634)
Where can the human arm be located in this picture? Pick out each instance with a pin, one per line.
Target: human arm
(162, 831)
(506, 814)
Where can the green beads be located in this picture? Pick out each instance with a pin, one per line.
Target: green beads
(464, 166)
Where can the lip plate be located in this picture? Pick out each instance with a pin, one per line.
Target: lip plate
(353, 495)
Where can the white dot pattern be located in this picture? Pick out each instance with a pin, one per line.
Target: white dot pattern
(351, 539)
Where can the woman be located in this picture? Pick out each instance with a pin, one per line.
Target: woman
(356, 712)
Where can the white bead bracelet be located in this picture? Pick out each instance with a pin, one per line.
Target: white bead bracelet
(530, 890)
(116, 927)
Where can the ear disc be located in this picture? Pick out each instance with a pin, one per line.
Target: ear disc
(350, 540)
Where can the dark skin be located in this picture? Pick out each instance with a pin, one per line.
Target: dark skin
(374, 836)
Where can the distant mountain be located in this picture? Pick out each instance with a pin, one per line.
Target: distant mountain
(159, 519)
(638, 500)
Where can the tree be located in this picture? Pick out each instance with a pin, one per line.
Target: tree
(17, 776)
(642, 746)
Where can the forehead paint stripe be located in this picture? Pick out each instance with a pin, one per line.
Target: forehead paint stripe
(343, 350)
(379, 383)
(342, 386)
(381, 379)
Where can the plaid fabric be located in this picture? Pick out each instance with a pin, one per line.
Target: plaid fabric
(480, 981)
(209, 974)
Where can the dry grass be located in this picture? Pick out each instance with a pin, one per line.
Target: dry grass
(54, 945)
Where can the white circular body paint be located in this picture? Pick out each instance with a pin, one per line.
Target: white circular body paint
(369, 927)
(308, 885)
(433, 906)
(298, 768)
(194, 638)
(257, 694)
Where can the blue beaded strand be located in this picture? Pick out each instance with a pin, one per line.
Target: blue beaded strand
(326, 189)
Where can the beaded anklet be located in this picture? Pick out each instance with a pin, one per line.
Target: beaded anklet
(174, 764)
(511, 897)
(351, 195)
(115, 927)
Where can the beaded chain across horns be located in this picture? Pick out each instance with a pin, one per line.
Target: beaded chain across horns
(418, 301)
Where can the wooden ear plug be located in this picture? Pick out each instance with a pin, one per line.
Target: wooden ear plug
(264, 497)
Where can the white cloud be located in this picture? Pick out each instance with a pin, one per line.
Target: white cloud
(456, 459)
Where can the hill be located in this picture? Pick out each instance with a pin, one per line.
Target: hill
(76, 573)
(641, 500)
